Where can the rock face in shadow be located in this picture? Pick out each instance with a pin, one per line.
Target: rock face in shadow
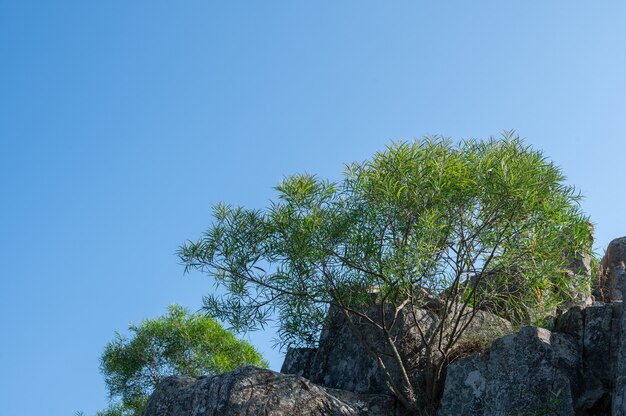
(298, 361)
(254, 391)
(342, 362)
(595, 330)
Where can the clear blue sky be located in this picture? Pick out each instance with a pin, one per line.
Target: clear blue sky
(122, 122)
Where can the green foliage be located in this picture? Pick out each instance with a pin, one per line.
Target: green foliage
(118, 409)
(178, 343)
(432, 214)
(425, 213)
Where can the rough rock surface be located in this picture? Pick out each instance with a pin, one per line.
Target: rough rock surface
(341, 361)
(591, 339)
(524, 373)
(298, 361)
(480, 385)
(580, 266)
(619, 392)
(255, 391)
(613, 271)
(595, 330)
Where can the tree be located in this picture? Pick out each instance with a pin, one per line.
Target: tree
(178, 343)
(419, 220)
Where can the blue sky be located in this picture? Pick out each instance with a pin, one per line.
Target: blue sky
(122, 123)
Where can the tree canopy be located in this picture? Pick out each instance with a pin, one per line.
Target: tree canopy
(434, 214)
(178, 343)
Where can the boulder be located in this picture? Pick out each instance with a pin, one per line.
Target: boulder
(611, 285)
(618, 404)
(586, 354)
(298, 361)
(256, 391)
(341, 361)
(580, 271)
(595, 330)
(529, 372)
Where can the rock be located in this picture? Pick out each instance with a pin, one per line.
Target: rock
(612, 288)
(619, 392)
(594, 329)
(586, 355)
(613, 271)
(529, 372)
(579, 270)
(255, 391)
(342, 362)
(598, 358)
(298, 361)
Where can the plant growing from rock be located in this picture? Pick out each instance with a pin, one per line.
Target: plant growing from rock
(446, 227)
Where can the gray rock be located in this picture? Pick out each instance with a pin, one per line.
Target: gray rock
(298, 361)
(342, 362)
(613, 271)
(594, 329)
(586, 355)
(255, 391)
(529, 372)
(611, 287)
(579, 270)
(619, 393)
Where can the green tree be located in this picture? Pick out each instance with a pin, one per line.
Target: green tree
(178, 343)
(432, 216)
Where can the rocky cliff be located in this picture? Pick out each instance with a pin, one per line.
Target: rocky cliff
(578, 368)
